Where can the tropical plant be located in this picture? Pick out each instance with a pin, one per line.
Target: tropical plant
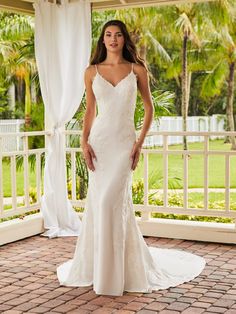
(185, 24)
(142, 25)
(223, 39)
(15, 33)
(163, 104)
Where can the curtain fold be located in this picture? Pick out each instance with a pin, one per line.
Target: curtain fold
(62, 49)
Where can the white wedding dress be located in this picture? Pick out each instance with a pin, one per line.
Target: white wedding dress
(111, 253)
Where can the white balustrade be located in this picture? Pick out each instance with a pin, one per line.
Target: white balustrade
(146, 208)
(20, 204)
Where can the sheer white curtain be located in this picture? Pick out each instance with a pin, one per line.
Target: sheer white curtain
(62, 48)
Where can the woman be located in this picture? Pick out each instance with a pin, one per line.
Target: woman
(111, 253)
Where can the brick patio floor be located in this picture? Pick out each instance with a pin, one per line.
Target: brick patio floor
(28, 282)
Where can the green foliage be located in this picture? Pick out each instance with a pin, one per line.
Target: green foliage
(138, 192)
(20, 216)
(155, 180)
(213, 82)
(15, 26)
(33, 195)
(17, 65)
(192, 218)
(163, 104)
(80, 165)
(37, 124)
(5, 112)
(176, 200)
(157, 33)
(81, 176)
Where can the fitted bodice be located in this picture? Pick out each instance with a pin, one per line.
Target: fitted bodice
(116, 102)
(114, 123)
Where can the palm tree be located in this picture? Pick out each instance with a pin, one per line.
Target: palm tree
(26, 61)
(188, 25)
(142, 24)
(15, 33)
(223, 62)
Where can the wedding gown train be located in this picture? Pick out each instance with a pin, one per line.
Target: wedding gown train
(111, 253)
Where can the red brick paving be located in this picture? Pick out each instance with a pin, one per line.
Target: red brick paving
(28, 282)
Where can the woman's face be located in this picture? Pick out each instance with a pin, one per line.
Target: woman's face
(113, 38)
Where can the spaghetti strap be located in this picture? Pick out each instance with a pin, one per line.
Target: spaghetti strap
(132, 67)
(96, 68)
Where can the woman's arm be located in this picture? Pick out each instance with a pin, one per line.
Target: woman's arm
(143, 86)
(89, 116)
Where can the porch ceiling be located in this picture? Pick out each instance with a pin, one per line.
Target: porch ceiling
(27, 7)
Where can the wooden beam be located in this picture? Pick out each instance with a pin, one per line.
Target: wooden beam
(27, 6)
(122, 4)
(17, 6)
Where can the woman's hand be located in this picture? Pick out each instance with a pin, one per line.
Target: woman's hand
(89, 154)
(135, 154)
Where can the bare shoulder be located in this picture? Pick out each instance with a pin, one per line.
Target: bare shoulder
(89, 73)
(140, 70)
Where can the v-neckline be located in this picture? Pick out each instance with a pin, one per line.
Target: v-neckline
(120, 81)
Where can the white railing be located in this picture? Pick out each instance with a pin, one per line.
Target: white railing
(23, 206)
(205, 152)
(146, 209)
(214, 123)
(11, 143)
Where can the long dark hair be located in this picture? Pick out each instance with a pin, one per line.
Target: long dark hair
(129, 50)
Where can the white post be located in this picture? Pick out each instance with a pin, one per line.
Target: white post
(38, 177)
(165, 171)
(26, 170)
(1, 185)
(185, 200)
(73, 175)
(13, 182)
(206, 171)
(227, 182)
(145, 215)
